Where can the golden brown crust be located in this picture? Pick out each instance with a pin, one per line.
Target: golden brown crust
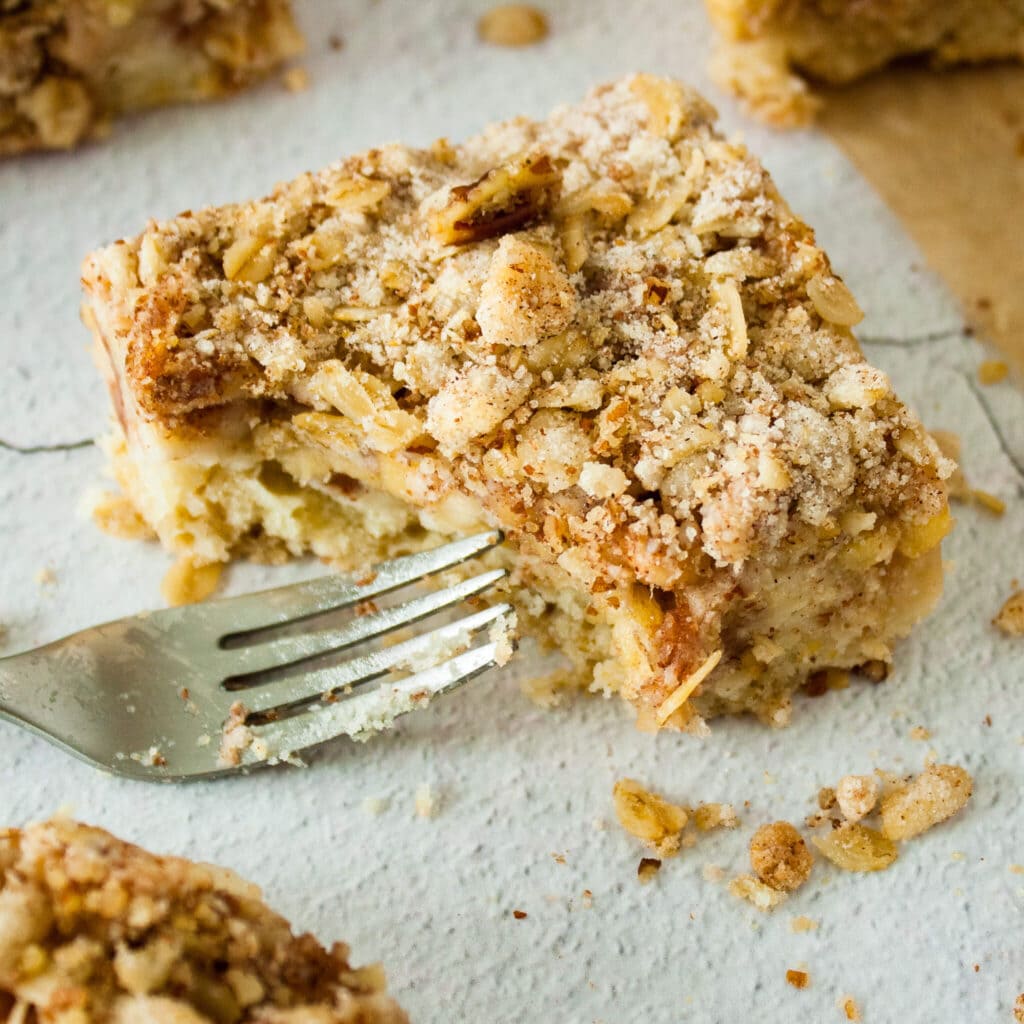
(68, 66)
(95, 929)
(606, 333)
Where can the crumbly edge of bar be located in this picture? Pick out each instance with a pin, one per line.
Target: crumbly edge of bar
(98, 929)
(68, 66)
(617, 340)
(769, 54)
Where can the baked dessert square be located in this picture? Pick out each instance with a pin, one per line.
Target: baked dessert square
(604, 333)
(771, 50)
(96, 929)
(68, 67)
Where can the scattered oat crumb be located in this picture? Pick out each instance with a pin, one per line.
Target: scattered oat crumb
(850, 1008)
(548, 690)
(1017, 869)
(764, 897)
(989, 501)
(856, 796)
(520, 915)
(46, 576)
(513, 25)
(647, 869)
(559, 858)
(375, 805)
(713, 873)
(779, 856)
(187, 583)
(919, 732)
(1018, 1009)
(826, 798)
(115, 515)
(296, 79)
(426, 802)
(711, 816)
(856, 847)
(588, 899)
(992, 371)
(1011, 616)
(929, 798)
(957, 855)
(650, 818)
(803, 924)
(798, 979)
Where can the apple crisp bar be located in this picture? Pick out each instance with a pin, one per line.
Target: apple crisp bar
(68, 66)
(771, 48)
(96, 929)
(605, 333)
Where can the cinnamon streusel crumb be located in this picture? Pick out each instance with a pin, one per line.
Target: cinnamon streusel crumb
(95, 929)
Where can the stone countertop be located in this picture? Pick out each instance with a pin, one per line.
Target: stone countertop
(935, 937)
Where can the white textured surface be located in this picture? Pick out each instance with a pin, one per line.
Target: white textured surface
(434, 898)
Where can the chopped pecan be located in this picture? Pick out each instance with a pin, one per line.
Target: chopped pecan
(504, 199)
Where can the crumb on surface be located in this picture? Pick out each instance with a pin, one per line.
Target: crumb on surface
(188, 583)
(992, 371)
(939, 792)
(801, 923)
(426, 802)
(798, 979)
(375, 805)
(856, 796)
(753, 890)
(46, 576)
(708, 817)
(919, 732)
(548, 690)
(649, 817)
(713, 873)
(520, 915)
(780, 857)
(1011, 616)
(850, 1008)
(647, 869)
(856, 847)
(989, 502)
(513, 25)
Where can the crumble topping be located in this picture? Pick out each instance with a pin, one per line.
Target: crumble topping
(605, 333)
(98, 929)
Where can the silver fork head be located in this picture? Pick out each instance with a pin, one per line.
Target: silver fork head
(205, 690)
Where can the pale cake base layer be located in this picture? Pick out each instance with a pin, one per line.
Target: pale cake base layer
(267, 499)
(771, 51)
(67, 67)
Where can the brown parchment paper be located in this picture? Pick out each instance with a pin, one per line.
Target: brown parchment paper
(946, 152)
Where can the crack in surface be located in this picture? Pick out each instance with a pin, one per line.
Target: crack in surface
(42, 449)
(1015, 460)
(922, 339)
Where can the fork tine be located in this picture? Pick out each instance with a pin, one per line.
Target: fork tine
(273, 654)
(237, 615)
(281, 693)
(362, 716)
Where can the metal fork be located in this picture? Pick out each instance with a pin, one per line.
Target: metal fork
(187, 692)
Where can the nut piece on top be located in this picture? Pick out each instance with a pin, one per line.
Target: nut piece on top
(605, 333)
(95, 929)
